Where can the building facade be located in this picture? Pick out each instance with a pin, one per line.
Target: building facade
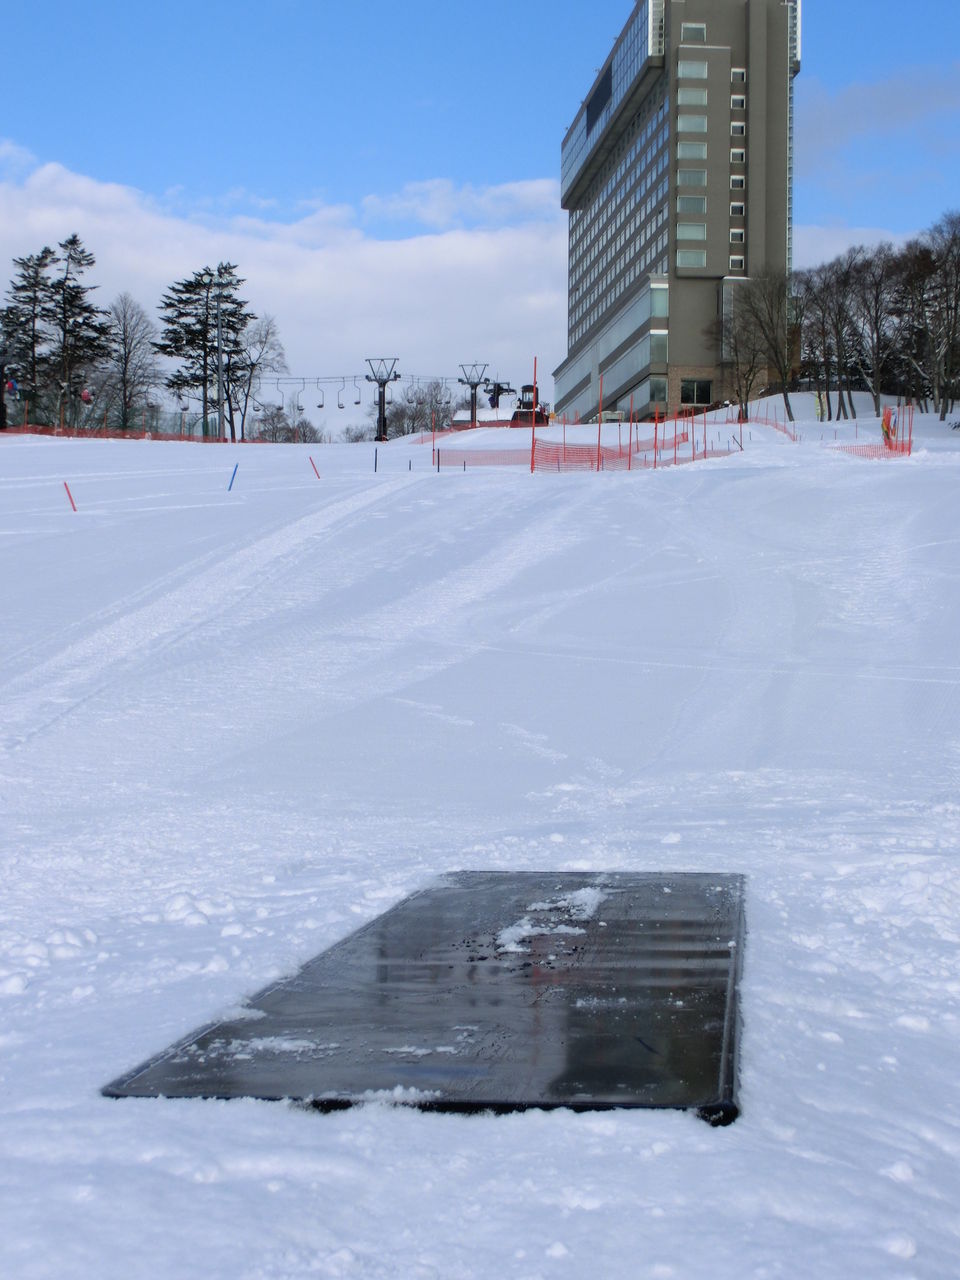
(677, 176)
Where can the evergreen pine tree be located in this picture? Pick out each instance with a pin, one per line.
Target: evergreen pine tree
(188, 335)
(25, 332)
(55, 336)
(80, 331)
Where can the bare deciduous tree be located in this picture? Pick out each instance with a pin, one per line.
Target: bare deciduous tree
(421, 407)
(131, 372)
(742, 348)
(775, 312)
(817, 349)
(261, 353)
(871, 305)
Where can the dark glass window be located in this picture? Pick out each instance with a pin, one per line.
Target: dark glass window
(694, 391)
(600, 97)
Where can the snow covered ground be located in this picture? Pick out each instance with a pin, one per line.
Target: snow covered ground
(234, 726)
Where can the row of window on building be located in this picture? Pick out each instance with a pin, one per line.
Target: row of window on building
(690, 150)
(622, 231)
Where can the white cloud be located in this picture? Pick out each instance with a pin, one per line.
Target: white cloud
(495, 292)
(904, 114)
(441, 204)
(813, 245)
(14, 159)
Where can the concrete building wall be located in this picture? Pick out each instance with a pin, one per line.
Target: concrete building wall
(720, 206)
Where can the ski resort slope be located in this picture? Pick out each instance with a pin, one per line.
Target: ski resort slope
(234, 726)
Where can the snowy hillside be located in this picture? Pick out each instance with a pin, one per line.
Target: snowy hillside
(236, 725)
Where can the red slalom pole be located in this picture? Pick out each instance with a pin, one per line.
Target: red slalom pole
(630, 438)
(315, 471)
(70, 495)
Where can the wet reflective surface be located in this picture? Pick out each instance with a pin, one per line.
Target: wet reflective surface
(497, 990)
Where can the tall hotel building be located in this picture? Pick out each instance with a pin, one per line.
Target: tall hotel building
(677, 175)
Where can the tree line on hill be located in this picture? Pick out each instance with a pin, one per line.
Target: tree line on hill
(880, 319)
(73, 363)
(67, 361)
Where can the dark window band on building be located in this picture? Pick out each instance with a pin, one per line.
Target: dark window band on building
(599, 98)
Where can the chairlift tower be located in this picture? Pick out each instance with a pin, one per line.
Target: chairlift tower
(473, 376)
(382, 372)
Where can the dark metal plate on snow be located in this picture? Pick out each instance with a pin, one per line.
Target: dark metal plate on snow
(497, 990)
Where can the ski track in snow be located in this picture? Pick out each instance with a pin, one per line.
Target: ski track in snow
(140, 630)
(232, 731)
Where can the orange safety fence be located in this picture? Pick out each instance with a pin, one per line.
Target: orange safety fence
(756, 419)
(102, 433)
(455, 428)
(665, 448)
(556, 456)
(460, 459)
(901, 449)
(896, 437)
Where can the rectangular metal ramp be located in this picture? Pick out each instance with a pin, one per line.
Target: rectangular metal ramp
(501, 991)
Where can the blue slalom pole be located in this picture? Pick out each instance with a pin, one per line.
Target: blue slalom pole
(233, 477)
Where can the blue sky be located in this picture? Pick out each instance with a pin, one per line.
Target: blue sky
(407, 140)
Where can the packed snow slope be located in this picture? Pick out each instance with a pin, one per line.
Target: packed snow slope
(234, 726)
